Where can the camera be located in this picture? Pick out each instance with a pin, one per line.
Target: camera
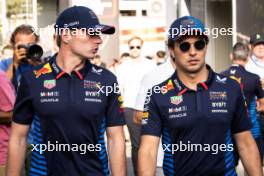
(33, 52)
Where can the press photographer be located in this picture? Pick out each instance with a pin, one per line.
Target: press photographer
(26, 53)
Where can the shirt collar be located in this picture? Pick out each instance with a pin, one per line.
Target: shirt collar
(237, 66)
(59, 73)
(181, 88)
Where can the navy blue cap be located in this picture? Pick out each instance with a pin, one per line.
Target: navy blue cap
(81, 17)
(256, 39)
(184, 26)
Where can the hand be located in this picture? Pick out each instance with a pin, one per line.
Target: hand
(19, 54)
(137, 118)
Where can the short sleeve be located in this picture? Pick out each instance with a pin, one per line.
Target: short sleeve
(115, 110)
(240, 121)
(23, 110)
(151, 121)
(259, 90)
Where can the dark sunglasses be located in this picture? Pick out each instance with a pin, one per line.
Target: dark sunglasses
(199, 45)
(132, 47)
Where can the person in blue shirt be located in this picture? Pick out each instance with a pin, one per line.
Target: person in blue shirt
(74, 113)
(251, 85)
(23, 35)
(197, 112)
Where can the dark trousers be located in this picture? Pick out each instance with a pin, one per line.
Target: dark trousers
(134, 132)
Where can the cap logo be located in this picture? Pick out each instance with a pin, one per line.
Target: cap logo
(258, 36)
(187, 22)
(92, 14)
(73, 23)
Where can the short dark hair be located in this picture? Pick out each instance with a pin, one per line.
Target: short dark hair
(161, 54)
(240, 51)
(23, 29)
(125, 54)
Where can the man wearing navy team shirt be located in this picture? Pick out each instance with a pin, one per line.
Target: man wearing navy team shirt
(251, 85)
(197, 112)
(65, 94)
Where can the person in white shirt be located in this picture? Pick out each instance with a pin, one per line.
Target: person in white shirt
(256, 62)
(152, 78)
(129, 75)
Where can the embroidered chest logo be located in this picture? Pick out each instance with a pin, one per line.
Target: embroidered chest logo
(176, 99)
(49, 84)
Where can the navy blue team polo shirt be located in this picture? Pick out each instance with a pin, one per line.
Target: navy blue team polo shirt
(251, 86)
(208, 116)
(71, 110)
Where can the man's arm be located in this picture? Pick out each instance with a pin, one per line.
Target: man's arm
(17, 149)
(116, 150)
(249, 153)
(5, 117)
(9, 71)
(147, 155)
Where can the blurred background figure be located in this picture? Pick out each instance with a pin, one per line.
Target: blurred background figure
(7, 52)
(112, 67)
(129, 75)
(116, 62)
(124, 56)
(7, 100)
(98, 61)
(251, 87)
(256, 65)
(21, 39)
(26, 55)
(256, 61)
(160, 57)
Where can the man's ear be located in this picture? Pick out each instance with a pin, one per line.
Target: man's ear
(231, 57)
(171, 52)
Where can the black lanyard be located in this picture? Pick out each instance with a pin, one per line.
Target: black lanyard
(14, 78)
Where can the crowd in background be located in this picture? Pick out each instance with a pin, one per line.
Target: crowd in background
(130, 68)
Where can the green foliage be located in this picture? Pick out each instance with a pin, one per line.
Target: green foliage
(19, 8)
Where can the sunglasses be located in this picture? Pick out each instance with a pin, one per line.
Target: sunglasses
(198, 45)
(133, 47)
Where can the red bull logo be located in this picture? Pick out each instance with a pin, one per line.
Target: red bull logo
(44, 70)
(169, 86)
